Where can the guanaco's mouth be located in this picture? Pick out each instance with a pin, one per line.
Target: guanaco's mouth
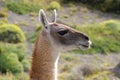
(85, 45)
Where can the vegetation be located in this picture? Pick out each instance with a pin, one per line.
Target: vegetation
(8, 59)
(18, 49)
(26, 6)
(23, 7)
(106, 5)
(13, 60)
(103, 5)
(33, 36)
(54, 5)
(19, 76)
(11, 33)
(75, 69)
(3, 12)
(103, 35)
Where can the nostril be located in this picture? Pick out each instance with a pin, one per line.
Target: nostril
(86, 37)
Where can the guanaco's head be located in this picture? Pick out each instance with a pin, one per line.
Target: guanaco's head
(62, 36)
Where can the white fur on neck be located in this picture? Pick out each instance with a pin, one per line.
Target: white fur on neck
(56, 66)
(55, 56)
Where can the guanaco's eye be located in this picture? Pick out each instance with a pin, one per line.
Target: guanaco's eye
(62, 32)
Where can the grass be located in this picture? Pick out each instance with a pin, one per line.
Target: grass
(22, 6)
(33, 36)
(30, 6)
(10, 76)
(96, 75)
(65, 76)
(72, 10)
(71, 68)
(3, 21)
(66, 63)
(32, 19)
(24, 23)
(103, 5)
(33, 14)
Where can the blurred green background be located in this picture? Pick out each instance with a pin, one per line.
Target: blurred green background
(19, 26)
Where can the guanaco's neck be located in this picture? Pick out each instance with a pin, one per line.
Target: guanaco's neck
(43, 65)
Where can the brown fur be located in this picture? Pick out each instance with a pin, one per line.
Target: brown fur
(42, 65)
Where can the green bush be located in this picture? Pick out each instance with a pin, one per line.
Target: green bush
(13, 56)
(104, 5)
(13, 60)
(22, 6)
(3, 14)
(2, 22)
(9, 62)
(107, 5)
(54, 5)
(26, 65)
(11, 33)
(18, 49)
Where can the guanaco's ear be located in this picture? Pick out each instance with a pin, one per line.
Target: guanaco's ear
(43, 19)
(54, 16)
